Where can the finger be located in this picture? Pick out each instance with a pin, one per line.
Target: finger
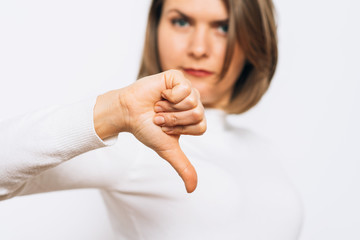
(196, 129)
(177, 86)
(177, 93)
(172, 119)
(188, 103)
(182, 165)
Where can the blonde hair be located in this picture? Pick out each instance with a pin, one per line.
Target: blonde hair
(251, 24)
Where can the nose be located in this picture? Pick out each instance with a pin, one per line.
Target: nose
(199, 46)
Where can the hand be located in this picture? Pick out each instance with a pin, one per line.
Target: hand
(181, 117)
(138, 107)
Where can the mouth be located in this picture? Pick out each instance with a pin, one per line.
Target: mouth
(197, 72)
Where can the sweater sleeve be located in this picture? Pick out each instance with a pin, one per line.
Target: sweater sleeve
(35, 142)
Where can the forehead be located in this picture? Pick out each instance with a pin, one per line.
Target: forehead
(198, 9)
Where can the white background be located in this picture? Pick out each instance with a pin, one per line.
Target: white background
(62, 51)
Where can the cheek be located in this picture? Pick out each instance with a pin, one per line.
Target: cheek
(218, 52)
(171, 48)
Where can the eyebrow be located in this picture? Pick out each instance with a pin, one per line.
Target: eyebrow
(216, 22)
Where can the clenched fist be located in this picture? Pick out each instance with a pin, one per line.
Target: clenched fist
(156, 110)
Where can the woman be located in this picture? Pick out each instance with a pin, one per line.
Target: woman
(227, 49)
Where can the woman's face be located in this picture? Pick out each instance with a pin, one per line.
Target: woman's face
(192, 37)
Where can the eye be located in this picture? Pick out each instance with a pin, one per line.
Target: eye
(223, 28)
(181, 22)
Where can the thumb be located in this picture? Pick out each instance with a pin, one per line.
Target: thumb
(178, 160)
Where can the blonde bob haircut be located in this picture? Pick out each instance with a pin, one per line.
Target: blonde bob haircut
(252, 24)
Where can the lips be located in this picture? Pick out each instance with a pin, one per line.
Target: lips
(197, 72)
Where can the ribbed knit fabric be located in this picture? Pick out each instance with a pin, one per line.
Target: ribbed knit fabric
(37, 141)
(242, 192)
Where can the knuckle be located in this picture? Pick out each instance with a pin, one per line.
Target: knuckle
(202, 128)
(197, 92)
(186, 89)
(179, 73)
(197, 114)
(191, 102)
(173, 119)
(176, 72)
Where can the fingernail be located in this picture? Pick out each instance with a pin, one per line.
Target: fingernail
(158, 109)
(158, 120)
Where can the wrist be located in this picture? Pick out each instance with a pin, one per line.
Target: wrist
(110, 114)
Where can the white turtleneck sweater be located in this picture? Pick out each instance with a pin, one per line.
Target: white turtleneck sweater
(242, 192)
